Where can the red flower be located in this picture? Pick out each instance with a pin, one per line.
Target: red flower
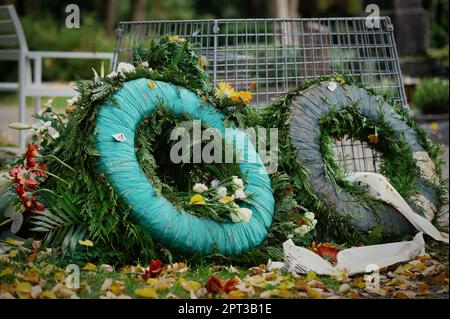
(231, 285)
(23, 177)
(31, 154)
(24, 196)
(26, 178)
(215, 285)
(299, 222)
(40, 170)
(220, 286)
(14, 172)
(154, 269)
(32, 150)
(327, 251)
(38, 206)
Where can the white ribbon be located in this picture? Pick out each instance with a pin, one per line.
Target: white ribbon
(390, 195)
(367, 258)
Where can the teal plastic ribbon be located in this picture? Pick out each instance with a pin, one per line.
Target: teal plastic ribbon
(166, 224)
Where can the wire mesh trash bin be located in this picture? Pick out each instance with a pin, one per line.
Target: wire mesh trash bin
(272, 56)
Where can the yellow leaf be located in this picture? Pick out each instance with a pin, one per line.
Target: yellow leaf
(48, 294)
(314, 293)
(86, 243)
(286, 285)
(151, 84)
(197, 199)
(23, 290)
(311, 276)
(13, 253)
(89, 267)
(31, 276)
(6, 272)
(151, 281)
(419, 266)
(359, 283)
(236, 294)
(302, 285)
(270, 276)
(146, 292)
(396, 282)
(190, 285)
(59, 276)
(116, 288)
(163, 283)
(341, 275)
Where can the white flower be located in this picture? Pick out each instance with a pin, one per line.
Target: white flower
(234, 217)
(215, 183)
(200, 188)
(238, 182)
(302, 230)
(73, 100)
(113, 74)
(47, 127)
(53, 132)
(309, 216)
(310, 219)
(145, 64)
(242, 214)
(239, 194)
(222, 191)
(245, 214)
(125, 67)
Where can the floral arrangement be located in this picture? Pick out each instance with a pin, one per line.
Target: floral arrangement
(220, 198)
(79, 206)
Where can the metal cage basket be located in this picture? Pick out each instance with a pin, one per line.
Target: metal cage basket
(272, 56)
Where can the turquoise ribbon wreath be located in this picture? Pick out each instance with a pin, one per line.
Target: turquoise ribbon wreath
(166, 224)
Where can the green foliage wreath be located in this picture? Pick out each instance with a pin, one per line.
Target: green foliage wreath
(397, 164)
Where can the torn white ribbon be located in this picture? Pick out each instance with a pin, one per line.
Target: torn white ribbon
(367, 258)
(353, 260)
(389, 194)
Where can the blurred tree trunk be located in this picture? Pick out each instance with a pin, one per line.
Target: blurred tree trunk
(111, 13)
(285, 8)
(138, 10)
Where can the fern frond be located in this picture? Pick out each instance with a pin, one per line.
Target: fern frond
(63, 223)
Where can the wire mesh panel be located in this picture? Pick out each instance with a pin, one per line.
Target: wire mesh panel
(271, 56)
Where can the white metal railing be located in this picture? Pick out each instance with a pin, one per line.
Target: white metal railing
(13, 47)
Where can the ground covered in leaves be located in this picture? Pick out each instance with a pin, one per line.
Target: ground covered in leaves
(27, 271)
